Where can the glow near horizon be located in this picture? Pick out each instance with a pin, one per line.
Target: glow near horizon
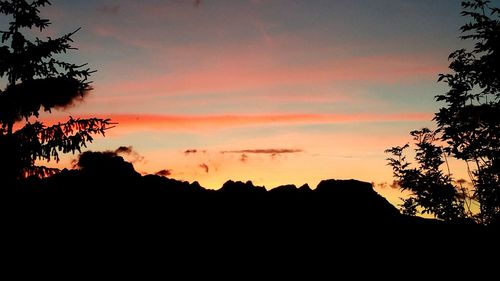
(340, 81)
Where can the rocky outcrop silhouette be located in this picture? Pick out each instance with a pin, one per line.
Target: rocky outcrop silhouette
(104, 202)
(105, 190)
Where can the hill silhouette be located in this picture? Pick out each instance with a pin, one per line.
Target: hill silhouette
(105, 204)
(104, 183)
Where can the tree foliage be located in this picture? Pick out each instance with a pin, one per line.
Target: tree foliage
(37, 80)
(468, 129)
(433, 190)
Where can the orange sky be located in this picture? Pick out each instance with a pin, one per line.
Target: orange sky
(273, 91)
(212, 149)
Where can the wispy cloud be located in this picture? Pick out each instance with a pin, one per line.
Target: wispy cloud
(109, 9)
(124, 150)
(164, 173)
(395, 185)
(228, 75)
(135, 122)
(273, 151)
(244, 158)
(204, 167)
(190, 151)
(130, 152)
(383, 185)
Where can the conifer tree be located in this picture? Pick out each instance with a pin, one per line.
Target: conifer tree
(37, 80)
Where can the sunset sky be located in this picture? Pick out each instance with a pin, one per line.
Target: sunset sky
(273, 91)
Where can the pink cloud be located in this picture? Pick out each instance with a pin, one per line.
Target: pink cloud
(255, 62)
(99, 99)
(231, 74)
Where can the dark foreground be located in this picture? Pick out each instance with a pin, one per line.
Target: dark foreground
(121, 212)
(122, 197)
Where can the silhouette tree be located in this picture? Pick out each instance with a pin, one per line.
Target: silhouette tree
(36, 79)
(433, 190)
(468, 127)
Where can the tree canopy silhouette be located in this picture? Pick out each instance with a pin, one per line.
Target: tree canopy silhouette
(468, 129)
(36, 80)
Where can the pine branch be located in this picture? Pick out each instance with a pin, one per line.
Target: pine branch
(38, 142)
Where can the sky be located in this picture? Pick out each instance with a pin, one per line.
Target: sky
(272, 91)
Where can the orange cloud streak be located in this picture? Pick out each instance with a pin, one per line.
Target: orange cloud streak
(134, 122)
